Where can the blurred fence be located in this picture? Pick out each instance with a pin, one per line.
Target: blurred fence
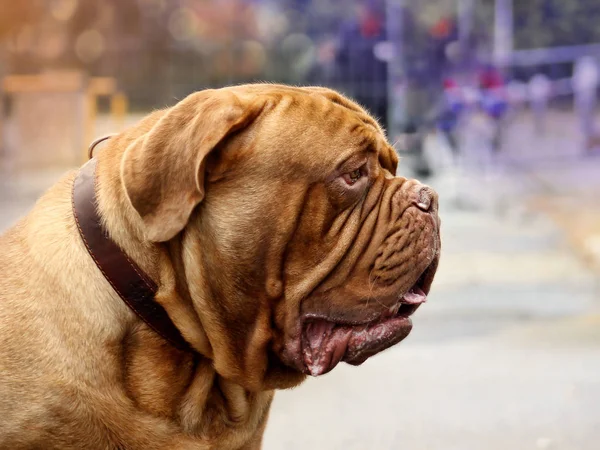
(392, 56)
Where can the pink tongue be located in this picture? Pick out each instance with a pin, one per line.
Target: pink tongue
(414, 296)
(326, 346)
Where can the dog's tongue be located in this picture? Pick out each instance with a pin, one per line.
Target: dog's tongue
(415, 296)
(325, 345)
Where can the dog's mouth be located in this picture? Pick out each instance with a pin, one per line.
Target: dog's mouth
(326, 342)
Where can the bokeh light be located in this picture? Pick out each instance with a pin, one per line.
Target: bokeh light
(183, 24)
(63, 10)
(300, 50)
(90, 45)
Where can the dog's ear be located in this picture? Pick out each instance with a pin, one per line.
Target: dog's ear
(388, 158)
(163, 170)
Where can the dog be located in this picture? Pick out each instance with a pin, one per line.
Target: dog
(221, 249)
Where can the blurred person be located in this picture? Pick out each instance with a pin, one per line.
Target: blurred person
(539, 93)
(449, 114)
(363, 75)
(445, 53)
(440, 141)
(429, 105)
(493, 100)
(585, 85)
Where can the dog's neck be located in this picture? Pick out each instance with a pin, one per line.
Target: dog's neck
(185, 300)
(160, 261)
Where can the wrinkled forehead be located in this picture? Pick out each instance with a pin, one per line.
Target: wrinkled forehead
(317, 127)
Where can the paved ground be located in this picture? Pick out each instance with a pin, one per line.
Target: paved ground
(505, 355)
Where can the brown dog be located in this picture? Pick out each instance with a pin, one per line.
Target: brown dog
(281, 243)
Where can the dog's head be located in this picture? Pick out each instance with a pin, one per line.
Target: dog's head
(300, 246)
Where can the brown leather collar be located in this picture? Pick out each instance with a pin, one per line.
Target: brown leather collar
(129, 281)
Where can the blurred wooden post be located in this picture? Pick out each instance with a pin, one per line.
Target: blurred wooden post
(105, 87)
(3, 59)
(54, 117)
(45, 126)
(91, 111)
(118, 109)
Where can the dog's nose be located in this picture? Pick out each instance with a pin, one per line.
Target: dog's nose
(424, 198)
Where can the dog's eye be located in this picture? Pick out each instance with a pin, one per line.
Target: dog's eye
(353, 177)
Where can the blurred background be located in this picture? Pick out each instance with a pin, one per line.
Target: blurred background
(493, 102)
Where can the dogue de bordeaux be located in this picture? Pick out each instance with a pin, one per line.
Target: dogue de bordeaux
(219, 250)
